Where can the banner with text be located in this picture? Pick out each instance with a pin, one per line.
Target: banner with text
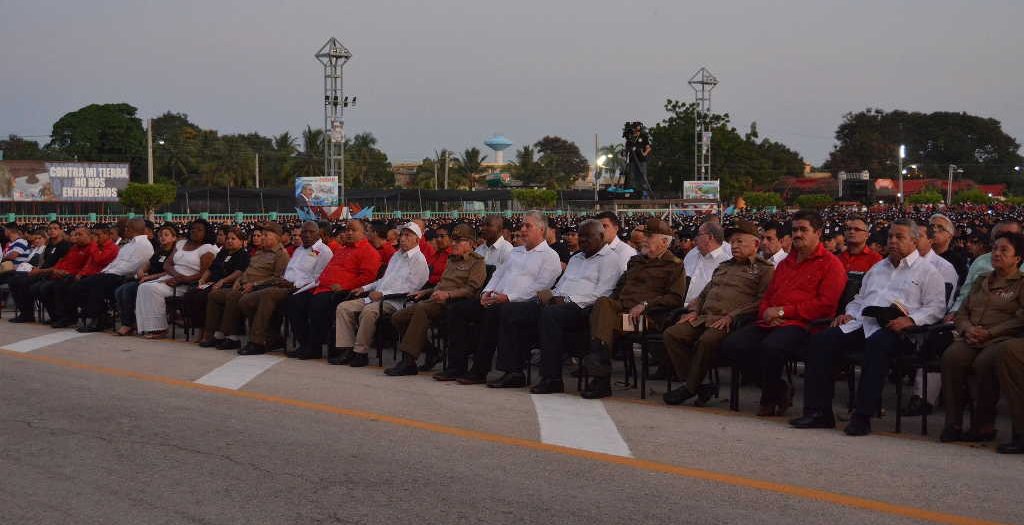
(701, 189)
(38, 181)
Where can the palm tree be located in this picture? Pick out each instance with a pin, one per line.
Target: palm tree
(614, 161)
(470, 165)
(310, 162)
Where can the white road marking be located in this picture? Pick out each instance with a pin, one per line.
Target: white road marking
(36, 343)
(578, 423)
(237, 372)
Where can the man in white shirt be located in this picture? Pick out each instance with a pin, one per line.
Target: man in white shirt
(303, 271)
(495, 249)
(610, 224)
(772, 234)
(899, 292)
(700, 264)
(407, 272)
(562, 312)
(532, 267)
(100, 287)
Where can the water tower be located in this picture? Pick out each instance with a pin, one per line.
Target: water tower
(499, 144)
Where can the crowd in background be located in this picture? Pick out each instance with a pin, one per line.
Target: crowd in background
(756, 289)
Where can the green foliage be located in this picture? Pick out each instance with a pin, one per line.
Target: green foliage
(366, 166)
(469, 167)
(147, 198)
(742, 163)
(17, 148)
(558, 165)
(763, 199)
(101, 133)
(928, 196)
(535, 198)
(1016, 200)
(525, 167)
(972, 196)
(814, 200)
(870, 140)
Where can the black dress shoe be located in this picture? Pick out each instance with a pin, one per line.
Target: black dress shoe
(304, 354)
(704, 394)
(292, 353)
(229, 344)
(403, 368)
(951, 435)
(430, 360)
(597, 388)
(1015, 446)
(63, 323)
(974, 436)
(814, 420)
(548, 386)
(253, 349)
(89, 328)
(21, 319)
(471, 378)
(341, 357)
(859, 425)
(917, 407)
(359, 360)
(677, 396)
(211, 343)
(448, 375)
(509, 380)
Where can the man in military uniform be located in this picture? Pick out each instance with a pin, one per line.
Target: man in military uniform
(225, 307)
(654, 283)
(734, 291)
(463, 277)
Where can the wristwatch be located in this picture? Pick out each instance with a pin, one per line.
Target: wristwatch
(645, 305)
(782, 313)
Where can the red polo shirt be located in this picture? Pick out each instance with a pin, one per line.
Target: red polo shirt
(426, 248)
(437, 263)
(386, 251)
(75, 259)
(806, 290)
(862, 262)
(99, 257)
(351, 267)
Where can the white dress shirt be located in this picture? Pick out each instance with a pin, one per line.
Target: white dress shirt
(587, 278)
(946, 270)
(407, 272)
(702, 268)
(913, 283)
(495, 254)
(306, 265)
(526, 272)
(778, 257)
(623, 251)
(130, 257)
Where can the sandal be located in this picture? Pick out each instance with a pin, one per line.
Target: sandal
(124, 331)
(156, 335)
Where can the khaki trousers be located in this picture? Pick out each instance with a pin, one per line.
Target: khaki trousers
(222, 314)
(1011, 380)
(260, 307)
(413, 322)
(356, 324)
(958, 362)
(692, 351)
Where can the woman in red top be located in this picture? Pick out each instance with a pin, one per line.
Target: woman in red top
(806, 286)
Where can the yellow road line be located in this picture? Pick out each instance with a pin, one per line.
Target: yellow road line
(640, 464)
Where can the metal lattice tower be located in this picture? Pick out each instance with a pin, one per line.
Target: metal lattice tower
(702, 83)
(333, 56)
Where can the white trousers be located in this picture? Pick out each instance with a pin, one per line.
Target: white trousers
(150, 305)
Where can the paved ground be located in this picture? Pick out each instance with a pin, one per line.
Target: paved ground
(99, 429)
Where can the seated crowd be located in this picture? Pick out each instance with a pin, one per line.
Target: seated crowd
(756, 296)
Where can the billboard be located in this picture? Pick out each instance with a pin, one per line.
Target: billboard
(316, 191)
(38, 181)
(701, 189)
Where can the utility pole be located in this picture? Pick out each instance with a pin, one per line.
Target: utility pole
(149, 150)
(257, 171)
(953, 168)
(446, 169)
(899, 170)
(435, 176)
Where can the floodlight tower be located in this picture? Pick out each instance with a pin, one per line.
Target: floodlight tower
(702, 83)
(333, 56)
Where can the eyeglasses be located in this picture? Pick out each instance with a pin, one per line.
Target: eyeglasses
(854, 229)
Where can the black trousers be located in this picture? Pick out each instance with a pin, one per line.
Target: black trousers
(825, 351)
(95, 290)
(763, 351)
(320, 317)
(296, 310)
(58, 299)
(518, 335)
(562, 327)
(879, 349)
(472, 329)
(21, 291)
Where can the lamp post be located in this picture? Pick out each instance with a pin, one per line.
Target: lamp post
(598, 171)
(949, 184)
(903, 154)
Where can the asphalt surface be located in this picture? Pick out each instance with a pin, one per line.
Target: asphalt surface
(99, 429)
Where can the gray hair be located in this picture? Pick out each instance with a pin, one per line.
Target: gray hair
(590, 223)
(714, 230)
(537, 218)
(945, 219)
(915, 232)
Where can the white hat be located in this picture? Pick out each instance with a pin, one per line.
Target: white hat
(413, 227)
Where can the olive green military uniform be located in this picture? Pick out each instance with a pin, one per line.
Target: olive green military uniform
(995, 304)
(463, 277)
(1011, 381)
(735, 290)
(225, 306)
(660, 282)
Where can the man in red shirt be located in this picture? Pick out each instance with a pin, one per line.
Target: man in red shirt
(858, 257)
(805, 287)
(63, 272)
(355, 263)
(100, 251)
(377, 234)
(439, 260)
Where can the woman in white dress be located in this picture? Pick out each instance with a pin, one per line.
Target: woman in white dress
(188, 262)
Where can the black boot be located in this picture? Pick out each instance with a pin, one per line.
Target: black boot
(598, 362)
(597, 388)
(859, 425)
(405, 367)
(339, 356)
(677, 396)
(1015, 446)
(814, 419)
